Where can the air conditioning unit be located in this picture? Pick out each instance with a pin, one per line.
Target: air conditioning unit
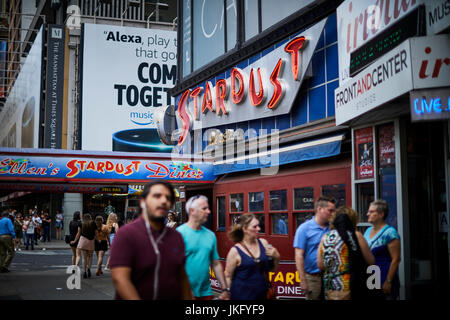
(134, 3)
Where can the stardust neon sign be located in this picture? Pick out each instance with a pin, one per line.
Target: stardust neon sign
(265, 88)
(216, 99)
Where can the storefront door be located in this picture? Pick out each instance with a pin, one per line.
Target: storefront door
(427, 198)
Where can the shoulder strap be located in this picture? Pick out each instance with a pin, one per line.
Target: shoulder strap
(378, 236)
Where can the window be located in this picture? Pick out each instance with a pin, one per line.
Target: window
(279, 223)
(211, 26)
(272, 11)
(337, 191)
(304, 198)
(221, 211)
(234, 218)
(262, 223)
(255, 201)
(237, 202)
(166, 11)
(208, 31)
(364, 196)
(302, 217)
(278, 200)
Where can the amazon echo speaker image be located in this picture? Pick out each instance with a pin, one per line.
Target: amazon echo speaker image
(139, 140)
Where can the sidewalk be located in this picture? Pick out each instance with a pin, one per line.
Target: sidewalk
(52, 245)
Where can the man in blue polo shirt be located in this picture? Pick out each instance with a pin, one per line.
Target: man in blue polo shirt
(306, 243)
(7, 235)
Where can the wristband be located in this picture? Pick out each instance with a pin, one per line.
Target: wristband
(226, 289)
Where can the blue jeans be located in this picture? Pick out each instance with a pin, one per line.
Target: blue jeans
(30, 238)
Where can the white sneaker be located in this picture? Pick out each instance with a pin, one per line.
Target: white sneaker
(20, 249)
(15, 249)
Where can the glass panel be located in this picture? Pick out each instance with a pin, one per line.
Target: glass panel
(386, 156)
(337, 191)
(272, 11)
(186, 48)
(231, 24)
(278, 200)
(364, 196)
(251, 18)
(279, 223)
(234, 218)
(209, 35)
(304, 198)
(262, 223)
(237, 202)
(302, 217)
(255, 201)
(221, 211)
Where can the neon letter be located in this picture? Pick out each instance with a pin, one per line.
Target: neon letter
(278, 88)
(221, 93)
(194, 95)
(256, 99)
(182, 114)
(293, 48)
(238, 96)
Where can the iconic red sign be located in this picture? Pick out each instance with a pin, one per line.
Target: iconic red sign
(215, 99)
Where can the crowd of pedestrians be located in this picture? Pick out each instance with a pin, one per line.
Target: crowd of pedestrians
(150, 259)
(153, 257)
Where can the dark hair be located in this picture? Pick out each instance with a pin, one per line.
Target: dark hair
(237, 233)
(381, 206)
(86, 224)
(5, 213)
(322, 201)
(346, 228)
(76, 215)
(166, 184)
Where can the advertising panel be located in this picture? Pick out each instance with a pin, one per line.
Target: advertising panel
(82, 169)
(126, 73)
(20, 116)
(55, 87)
(359, 21)
(364, 153)
(430, 61)
(430, 104)
(382, 81)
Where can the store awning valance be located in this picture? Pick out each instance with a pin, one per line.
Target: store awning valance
(310, 150)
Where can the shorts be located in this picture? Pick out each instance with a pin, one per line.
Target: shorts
(111, 238)
(58, 224)
(101, 246)
(86, 244)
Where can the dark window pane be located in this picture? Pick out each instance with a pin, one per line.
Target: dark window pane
(304, 198)
(279, 223)
(337, 191)
(221, 211)
(364, 196)
(231, 24)
(278, 200)
(251, 18)
(255, 201)
(302, 217)
(237, 202)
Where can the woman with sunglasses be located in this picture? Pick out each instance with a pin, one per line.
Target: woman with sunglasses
(249, 261)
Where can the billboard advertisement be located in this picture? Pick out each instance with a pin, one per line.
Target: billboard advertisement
(20, 115)
(126, 73)
(55, 87)
(74, 168)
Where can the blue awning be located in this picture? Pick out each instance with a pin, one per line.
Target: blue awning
(310, 150)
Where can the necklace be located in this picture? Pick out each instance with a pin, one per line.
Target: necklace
(257, 260)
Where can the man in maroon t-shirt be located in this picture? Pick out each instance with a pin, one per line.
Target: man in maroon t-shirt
(147, 259)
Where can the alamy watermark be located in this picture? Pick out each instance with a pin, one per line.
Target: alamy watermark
(74, 280)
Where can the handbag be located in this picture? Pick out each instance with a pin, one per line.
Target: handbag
(67, 238)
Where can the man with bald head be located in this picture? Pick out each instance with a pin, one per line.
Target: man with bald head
(201, 250)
